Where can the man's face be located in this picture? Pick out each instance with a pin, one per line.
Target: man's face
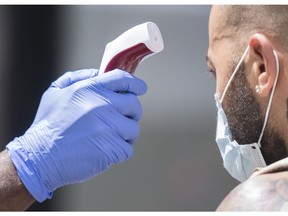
(245, 118)
(217, 52)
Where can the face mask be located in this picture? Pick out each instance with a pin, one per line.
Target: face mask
(240, 160)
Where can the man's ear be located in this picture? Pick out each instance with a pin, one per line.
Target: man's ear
(264, 63)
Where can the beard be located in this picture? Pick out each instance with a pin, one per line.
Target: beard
(246, 120)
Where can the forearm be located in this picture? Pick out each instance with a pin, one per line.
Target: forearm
(13, 194)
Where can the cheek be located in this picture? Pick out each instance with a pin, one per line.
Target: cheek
(221, 83)
(218, 89)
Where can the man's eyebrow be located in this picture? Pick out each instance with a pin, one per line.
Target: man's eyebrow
(210, 66)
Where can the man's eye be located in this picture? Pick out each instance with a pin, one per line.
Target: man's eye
(211, 71)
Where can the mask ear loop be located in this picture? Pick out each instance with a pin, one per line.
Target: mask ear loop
(234, 73)
(271, 98)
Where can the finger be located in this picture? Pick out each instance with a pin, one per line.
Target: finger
(117, 150)
(128, 129)
(122, 151)
(121, 81)
(128, 105)
(71, 77)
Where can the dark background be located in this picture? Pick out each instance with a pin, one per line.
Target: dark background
(30, 53)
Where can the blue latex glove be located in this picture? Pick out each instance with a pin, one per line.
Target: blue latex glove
(82, 126)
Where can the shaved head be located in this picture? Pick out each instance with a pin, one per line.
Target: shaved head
(241, 21)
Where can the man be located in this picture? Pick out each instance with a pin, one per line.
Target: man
(83, 126)
(252, 101)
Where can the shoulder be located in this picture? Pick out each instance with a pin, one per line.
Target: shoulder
(267, 192)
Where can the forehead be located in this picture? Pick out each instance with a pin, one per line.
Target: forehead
(220, 34)
(218, 28)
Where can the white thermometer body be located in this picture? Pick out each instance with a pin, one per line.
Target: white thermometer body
(132, 47)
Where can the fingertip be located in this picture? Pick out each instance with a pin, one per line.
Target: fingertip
(121, 81)
(139, 89)
(143, 88)
(129, 151)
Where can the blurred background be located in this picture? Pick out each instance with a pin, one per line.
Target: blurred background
(176, 164)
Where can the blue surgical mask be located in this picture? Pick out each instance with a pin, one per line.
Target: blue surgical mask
(240, 160)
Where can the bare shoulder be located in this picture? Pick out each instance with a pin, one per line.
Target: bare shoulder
(267, 192)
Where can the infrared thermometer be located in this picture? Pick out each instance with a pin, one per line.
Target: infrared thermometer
(131, 48)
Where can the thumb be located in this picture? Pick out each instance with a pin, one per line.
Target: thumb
(71, 77)
(121, 81)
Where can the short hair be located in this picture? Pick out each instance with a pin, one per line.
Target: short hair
(270, 20)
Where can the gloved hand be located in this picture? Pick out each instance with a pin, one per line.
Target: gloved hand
(83, 125)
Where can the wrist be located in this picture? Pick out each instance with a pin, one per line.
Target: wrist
(27, 171)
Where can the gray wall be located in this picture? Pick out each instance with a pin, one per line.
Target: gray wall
(176, 164)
